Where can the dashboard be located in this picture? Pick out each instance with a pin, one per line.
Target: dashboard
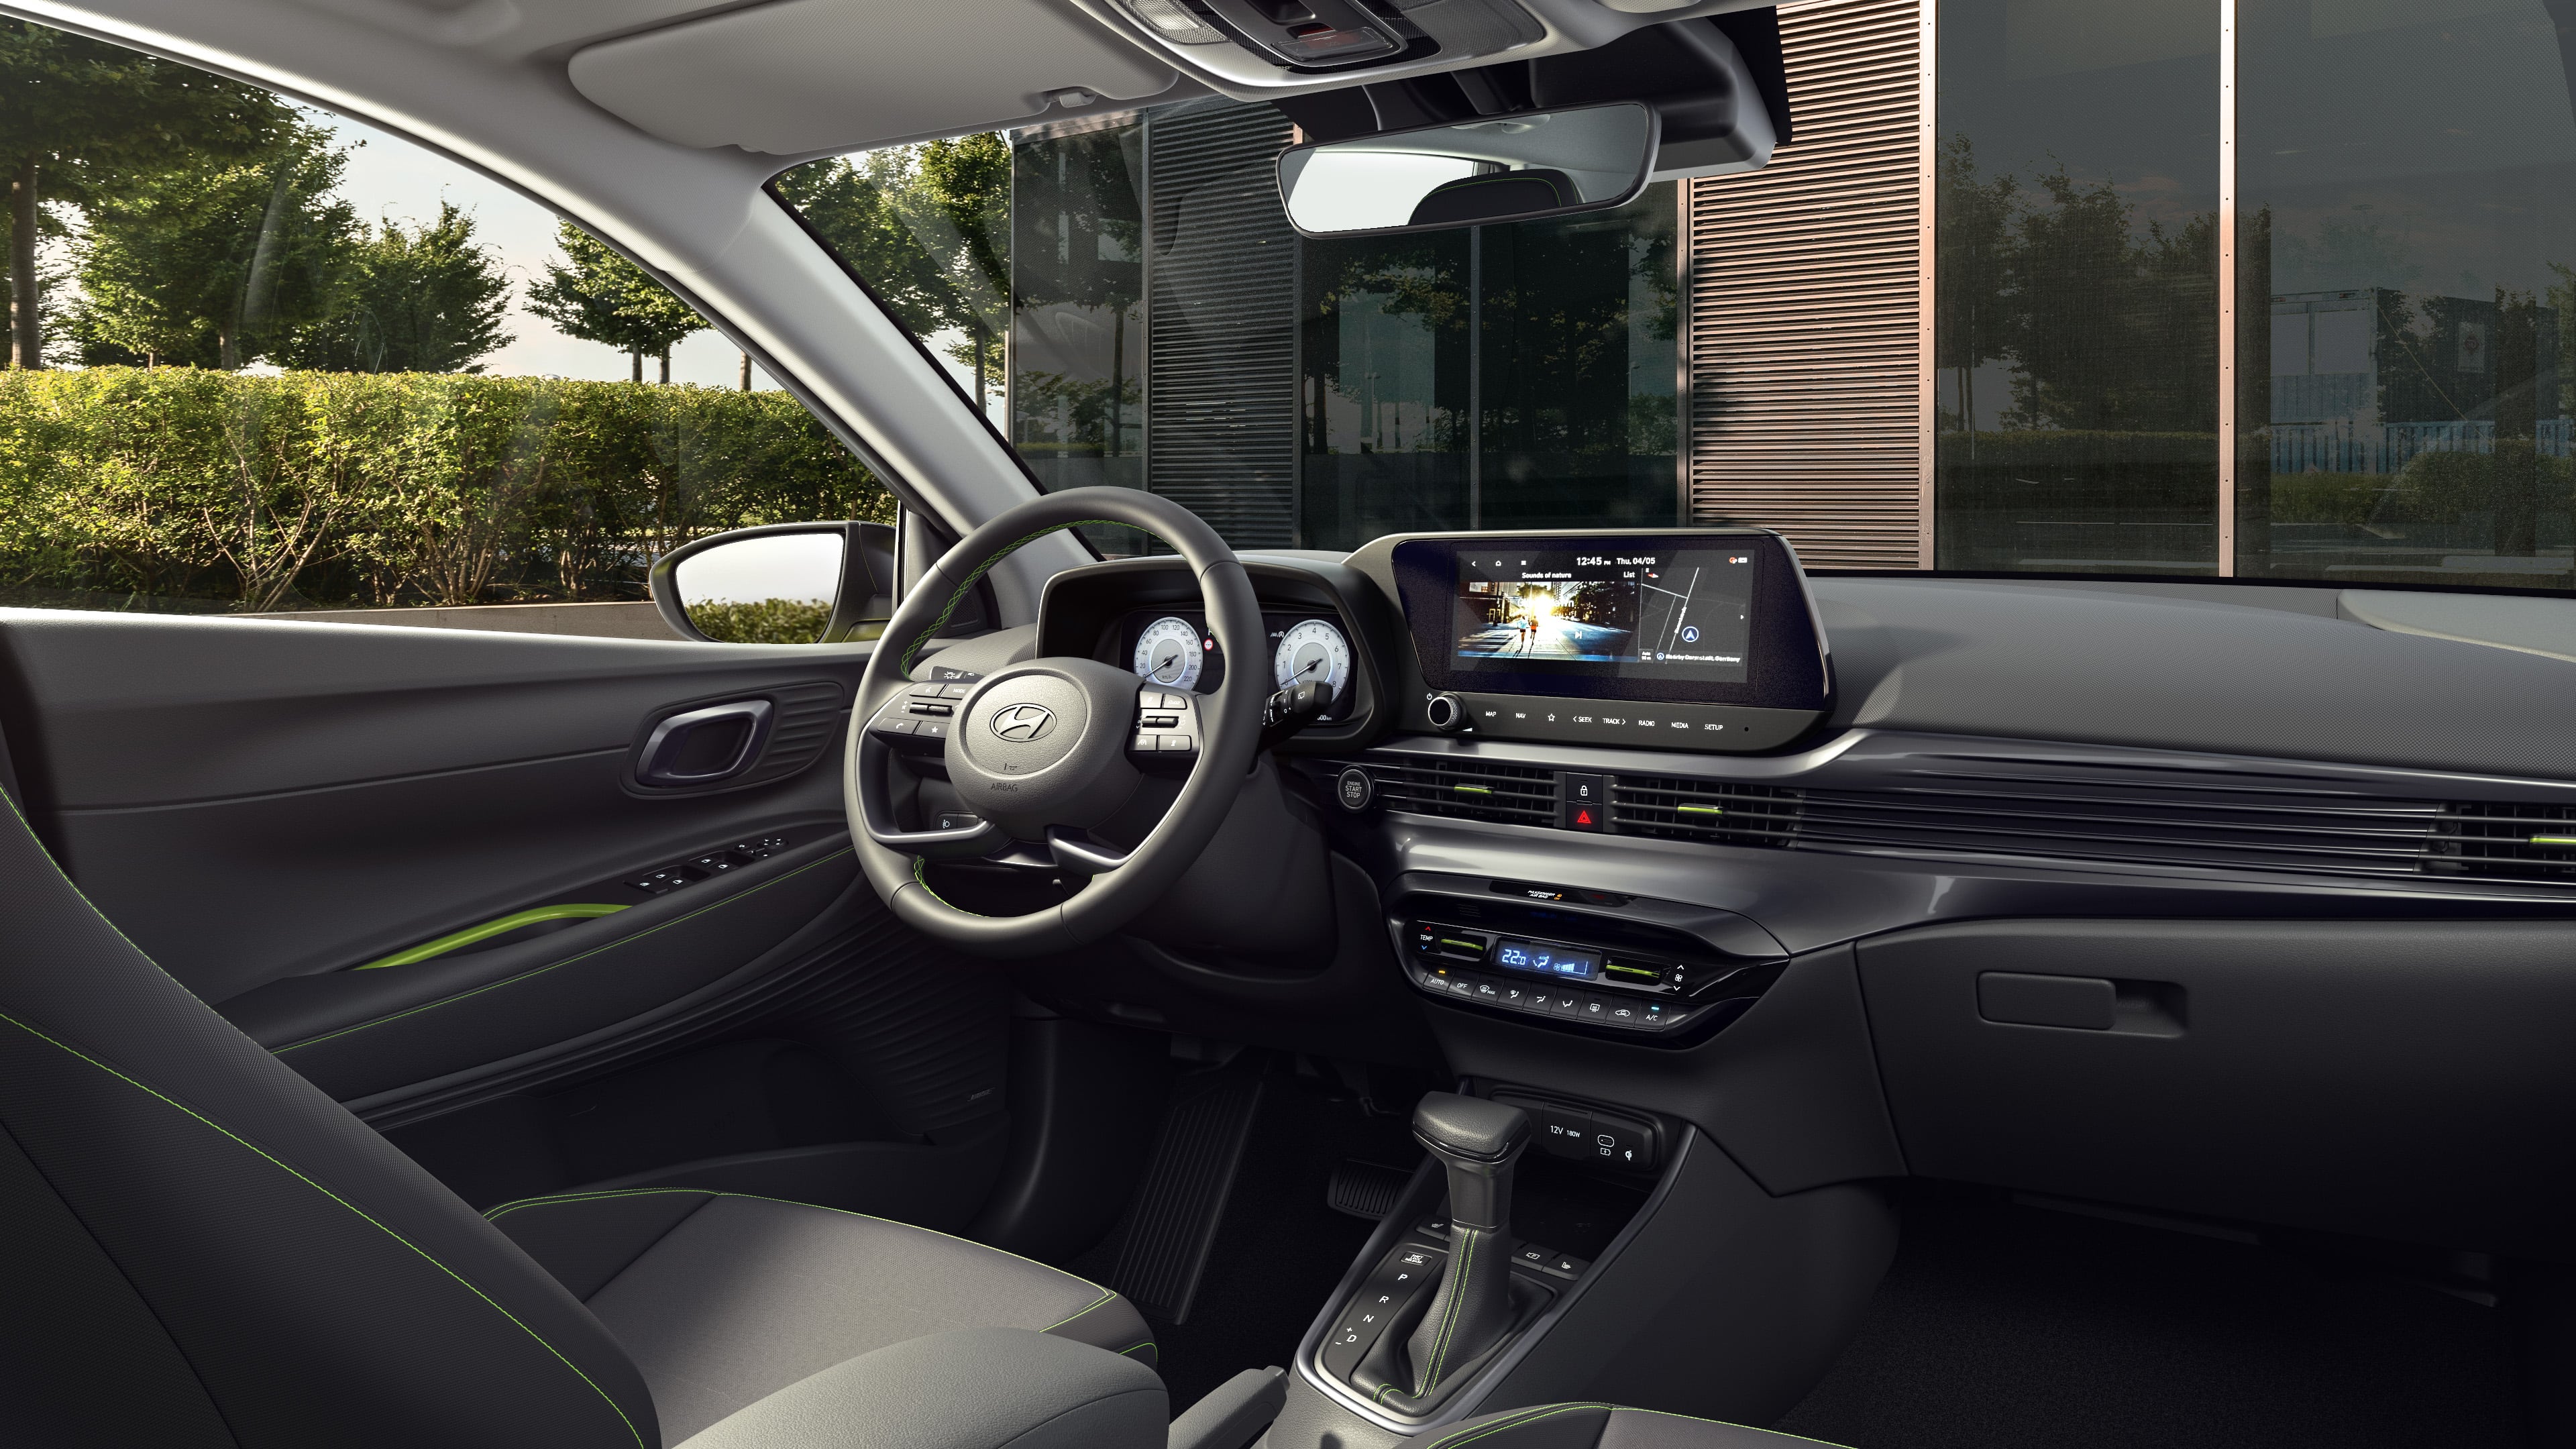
(2215, 898)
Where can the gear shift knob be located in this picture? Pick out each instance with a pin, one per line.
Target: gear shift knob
(1477, 1141)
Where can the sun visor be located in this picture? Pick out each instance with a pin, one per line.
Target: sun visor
(801, 76)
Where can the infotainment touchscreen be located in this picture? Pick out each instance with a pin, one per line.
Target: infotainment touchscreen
(1706, 618)
(1680, 613)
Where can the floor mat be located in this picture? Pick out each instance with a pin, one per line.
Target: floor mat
(2011, 1327)
(1280, 1247)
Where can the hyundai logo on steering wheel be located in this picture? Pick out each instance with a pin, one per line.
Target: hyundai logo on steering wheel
(1022, 723)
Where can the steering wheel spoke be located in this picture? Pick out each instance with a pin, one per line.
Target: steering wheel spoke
(1076, 851)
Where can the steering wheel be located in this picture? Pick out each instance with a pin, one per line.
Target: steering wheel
(1040, 751)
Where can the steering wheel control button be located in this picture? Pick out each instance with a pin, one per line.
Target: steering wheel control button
(1178, 744)
(931, 707)
(1354, 789)
(930, 729)
(894, 726)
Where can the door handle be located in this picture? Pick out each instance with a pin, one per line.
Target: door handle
(704, 746)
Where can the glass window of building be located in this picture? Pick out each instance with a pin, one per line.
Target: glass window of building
(2407, 182)
(2076, 315)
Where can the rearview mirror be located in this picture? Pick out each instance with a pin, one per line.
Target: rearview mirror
(1497, 168)
(788, 583)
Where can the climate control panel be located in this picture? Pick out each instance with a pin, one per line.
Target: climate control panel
(1655, 969)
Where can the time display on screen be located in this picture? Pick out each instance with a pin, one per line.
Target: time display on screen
(1546, 960)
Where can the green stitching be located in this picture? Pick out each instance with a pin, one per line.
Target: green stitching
(1105, 1296)
(1131, 1348)
(1722, 1423)
(622, 941)
(494, 1215)
(363, 1216)
(1453, 1441)
(958, 595)
(919, 863)
(1449, 1323)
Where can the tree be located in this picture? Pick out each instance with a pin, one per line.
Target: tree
(1971, 316)
(928, 228)
(78, 117)
(599, 296)
(217, 265)
(427, 299)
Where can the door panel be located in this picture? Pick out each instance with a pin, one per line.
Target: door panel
(356, 1033)
(263, 806)
(253, 801)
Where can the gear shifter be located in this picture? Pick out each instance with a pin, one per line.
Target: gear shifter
(1478, 1142)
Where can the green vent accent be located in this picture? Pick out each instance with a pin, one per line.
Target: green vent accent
(1473, 789)
(2553, 840)
(486, 931)
(1700, 809)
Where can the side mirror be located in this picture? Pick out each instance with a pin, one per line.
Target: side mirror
(1499, 168)
(786, 583)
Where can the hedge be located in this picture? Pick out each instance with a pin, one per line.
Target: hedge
(388, 488)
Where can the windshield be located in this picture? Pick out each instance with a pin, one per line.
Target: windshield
(1128, 305)
(2305, 328)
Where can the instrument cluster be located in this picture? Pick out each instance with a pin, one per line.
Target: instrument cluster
(1173, 648)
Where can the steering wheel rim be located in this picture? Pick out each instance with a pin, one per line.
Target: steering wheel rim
(1119, 889)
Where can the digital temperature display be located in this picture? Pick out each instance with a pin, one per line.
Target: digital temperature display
(1565, 961)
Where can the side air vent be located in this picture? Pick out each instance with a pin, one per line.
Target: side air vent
(1678, 809)
(2181, 819)
(2506, 842)
(1466, 789)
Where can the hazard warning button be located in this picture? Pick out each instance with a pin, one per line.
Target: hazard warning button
(1586, 802)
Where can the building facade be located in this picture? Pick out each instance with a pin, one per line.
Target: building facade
(2267, 288)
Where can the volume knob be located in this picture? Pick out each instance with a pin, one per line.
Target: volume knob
(1447, 713)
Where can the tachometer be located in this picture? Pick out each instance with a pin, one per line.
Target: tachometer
(1168, 652)
(1311, 651)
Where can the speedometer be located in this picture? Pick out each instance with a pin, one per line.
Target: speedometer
(1312, 651)
(1168, 652)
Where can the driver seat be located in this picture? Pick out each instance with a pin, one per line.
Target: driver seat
(201, 1248)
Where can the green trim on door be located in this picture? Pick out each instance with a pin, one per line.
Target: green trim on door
(486, 931)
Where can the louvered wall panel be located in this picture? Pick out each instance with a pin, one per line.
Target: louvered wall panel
(1804, 383)
(1221, 405)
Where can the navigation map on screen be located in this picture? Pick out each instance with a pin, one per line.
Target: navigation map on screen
(1683, 615)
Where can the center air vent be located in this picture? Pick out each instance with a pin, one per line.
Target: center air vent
(2506, 842)
(1466, 789)
(2177, 818)
(1678, 809)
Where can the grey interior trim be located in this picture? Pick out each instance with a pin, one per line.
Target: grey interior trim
(799, 76)
(2546, 627)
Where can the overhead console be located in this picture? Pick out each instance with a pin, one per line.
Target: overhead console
(1673, 639)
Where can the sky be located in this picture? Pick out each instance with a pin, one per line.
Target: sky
(389, 177)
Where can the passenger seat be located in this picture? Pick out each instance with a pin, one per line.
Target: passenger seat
(1597, 1426)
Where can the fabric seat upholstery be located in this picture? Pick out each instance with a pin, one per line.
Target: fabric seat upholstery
(723, 1299)
(1598, 1426)
(201, 1248)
